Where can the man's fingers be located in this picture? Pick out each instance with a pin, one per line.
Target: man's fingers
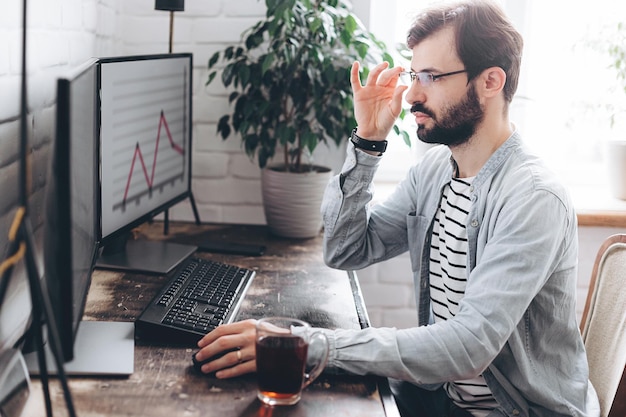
(372, 78)
(236, 363)
(380, 75)
(389, 76)
(396, 102)
(355, 80)
(227, 329)
(237, 370)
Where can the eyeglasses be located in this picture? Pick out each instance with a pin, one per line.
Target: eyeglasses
(426, 79)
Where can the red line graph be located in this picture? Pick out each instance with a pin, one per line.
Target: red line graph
(150, 178)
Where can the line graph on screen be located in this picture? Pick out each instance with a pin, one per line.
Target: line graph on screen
(149, 126)
(150, 177)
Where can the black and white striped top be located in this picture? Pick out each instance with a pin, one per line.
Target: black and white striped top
(448, 278)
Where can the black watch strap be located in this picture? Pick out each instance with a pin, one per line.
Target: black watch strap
(368, 145)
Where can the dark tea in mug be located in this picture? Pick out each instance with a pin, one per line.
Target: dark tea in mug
(284, 362)
(280, 366)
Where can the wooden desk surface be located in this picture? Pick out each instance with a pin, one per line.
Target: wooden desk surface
(291, 280)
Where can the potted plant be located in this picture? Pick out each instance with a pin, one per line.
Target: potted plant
(291, 92)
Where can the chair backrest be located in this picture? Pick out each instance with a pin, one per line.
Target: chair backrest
(603, 326)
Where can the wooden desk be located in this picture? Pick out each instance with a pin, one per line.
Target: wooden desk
(292, 280)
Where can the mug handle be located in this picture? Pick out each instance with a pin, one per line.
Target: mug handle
(316, 338)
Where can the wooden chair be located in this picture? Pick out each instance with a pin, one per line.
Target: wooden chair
(603, 326)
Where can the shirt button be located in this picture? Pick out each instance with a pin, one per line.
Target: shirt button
(474, 223)
(471, 189)
(516, 412)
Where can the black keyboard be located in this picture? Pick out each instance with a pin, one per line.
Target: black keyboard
(199, 296)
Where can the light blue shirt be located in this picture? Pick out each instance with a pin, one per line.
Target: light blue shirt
(516, 324)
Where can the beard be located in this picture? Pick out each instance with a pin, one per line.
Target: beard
(457, 123)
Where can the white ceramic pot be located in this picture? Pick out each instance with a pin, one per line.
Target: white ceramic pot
(292, 201)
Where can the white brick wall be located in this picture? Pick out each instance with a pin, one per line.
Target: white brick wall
(64, 33)
(61, 34)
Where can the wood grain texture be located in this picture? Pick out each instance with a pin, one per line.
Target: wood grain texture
(291, 280)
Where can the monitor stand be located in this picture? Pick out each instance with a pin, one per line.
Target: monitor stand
(144, 256)
(100, 348)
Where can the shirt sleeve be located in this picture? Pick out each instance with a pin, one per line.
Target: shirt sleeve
(354, 235)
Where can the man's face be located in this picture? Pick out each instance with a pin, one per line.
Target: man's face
(448, 111)
(454, 124)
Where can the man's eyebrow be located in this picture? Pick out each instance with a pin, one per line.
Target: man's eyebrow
(427, 69)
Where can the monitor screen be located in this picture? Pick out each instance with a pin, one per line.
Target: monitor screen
(145, 150)
(71, 238)
(70, 233)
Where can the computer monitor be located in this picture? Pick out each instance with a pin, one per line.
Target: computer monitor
(71, 236)
(145, 155)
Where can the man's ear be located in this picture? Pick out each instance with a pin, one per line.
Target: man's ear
(492, 81)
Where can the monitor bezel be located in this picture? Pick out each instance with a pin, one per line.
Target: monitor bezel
(58, 206)
(122, 232)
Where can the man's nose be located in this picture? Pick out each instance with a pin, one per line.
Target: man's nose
(415, 94)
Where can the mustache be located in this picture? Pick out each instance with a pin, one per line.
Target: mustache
(419, 107)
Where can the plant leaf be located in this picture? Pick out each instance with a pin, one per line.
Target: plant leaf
(213, 60)
(211, 77)
(223, 127)
(267, 62)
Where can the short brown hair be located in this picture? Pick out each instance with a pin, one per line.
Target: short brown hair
(484, 37)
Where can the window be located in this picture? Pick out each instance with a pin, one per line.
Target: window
(567, 91)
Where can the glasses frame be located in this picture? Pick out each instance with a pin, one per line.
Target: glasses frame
(426, 79)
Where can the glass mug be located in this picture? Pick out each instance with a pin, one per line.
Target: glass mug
(284, 347)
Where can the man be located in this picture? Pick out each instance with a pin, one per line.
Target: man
(491, 234)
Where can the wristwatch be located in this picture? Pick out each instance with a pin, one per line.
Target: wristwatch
(368, 145)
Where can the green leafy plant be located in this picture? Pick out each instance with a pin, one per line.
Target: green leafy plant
(291, 82)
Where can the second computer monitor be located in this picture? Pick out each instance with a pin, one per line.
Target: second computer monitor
(145, 153)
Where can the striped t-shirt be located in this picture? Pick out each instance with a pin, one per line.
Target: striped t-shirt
(448, 278)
